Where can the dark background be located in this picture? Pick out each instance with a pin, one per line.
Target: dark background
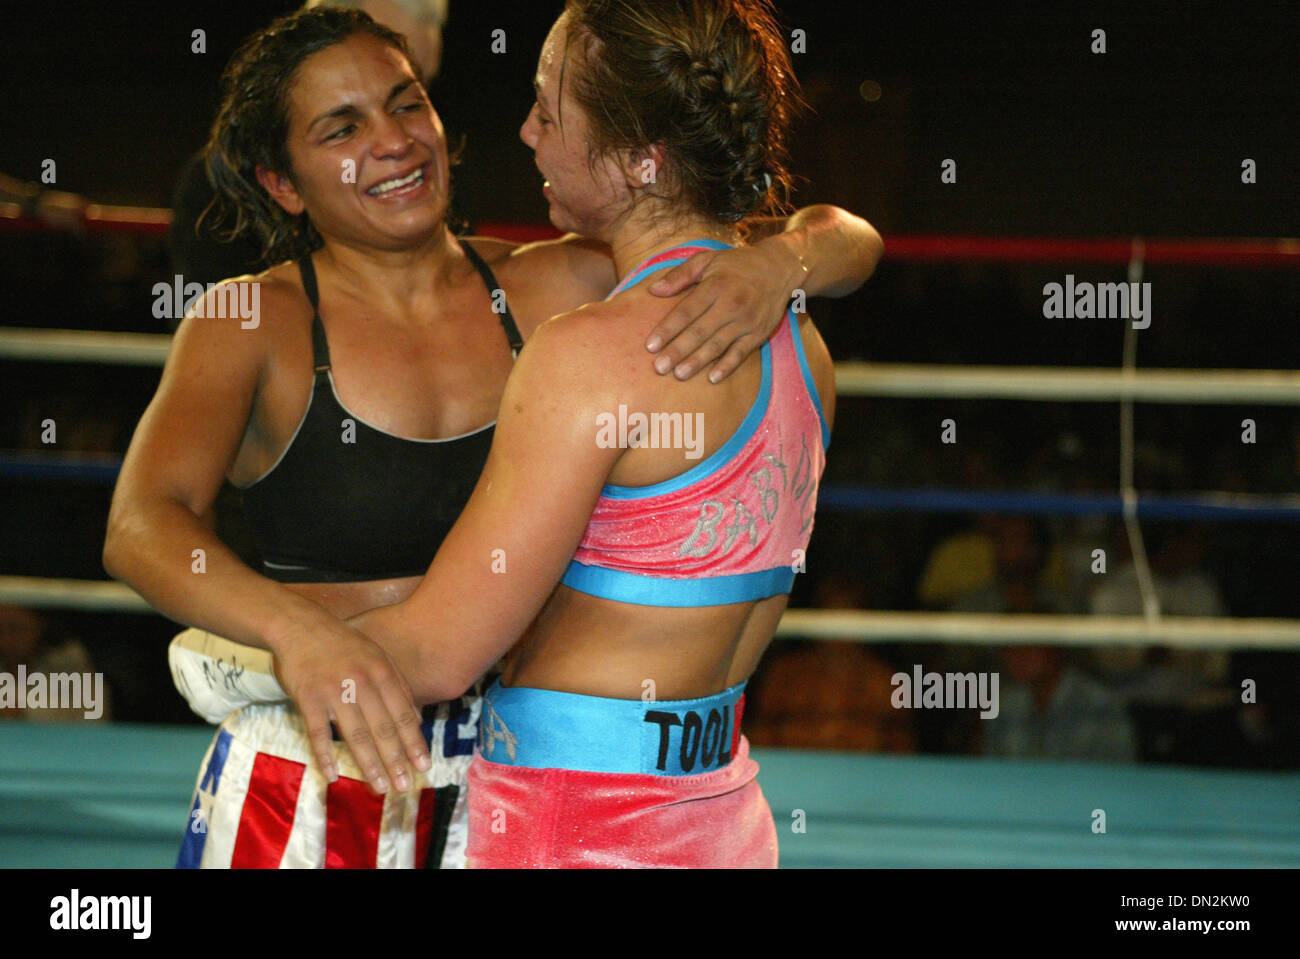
(1049, 138)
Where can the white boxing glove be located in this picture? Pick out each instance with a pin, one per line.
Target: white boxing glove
(218, 676)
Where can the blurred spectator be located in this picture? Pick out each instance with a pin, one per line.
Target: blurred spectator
(1062, 467)
(1048, 708)
(29, 639)
(966, 560)
(1183, 703)
(826, 695)
(1068, 575)
(1016, 585)
(961, 564)
(1051, 709)
(1184, 588)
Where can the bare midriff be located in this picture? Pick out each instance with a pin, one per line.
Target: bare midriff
(598, 647)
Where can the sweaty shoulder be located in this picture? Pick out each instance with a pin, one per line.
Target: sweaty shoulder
(587, 334)
(280, 296)
(585, 354)
(549, 277)
(245, 321)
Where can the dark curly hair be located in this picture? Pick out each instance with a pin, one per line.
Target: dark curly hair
(709, 80)
(252, 125)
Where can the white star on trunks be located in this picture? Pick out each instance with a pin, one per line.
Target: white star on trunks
(199, 817)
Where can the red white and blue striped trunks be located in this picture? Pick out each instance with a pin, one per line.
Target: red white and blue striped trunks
(261, 801)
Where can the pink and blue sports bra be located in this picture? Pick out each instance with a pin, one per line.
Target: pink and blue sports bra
(734, 527)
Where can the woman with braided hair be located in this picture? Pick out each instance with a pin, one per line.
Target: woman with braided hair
(645, 566)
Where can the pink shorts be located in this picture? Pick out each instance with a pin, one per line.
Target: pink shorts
(524, 817)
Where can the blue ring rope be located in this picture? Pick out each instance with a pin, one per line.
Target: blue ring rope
(102, 470)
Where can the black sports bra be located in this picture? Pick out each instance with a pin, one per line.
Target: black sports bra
(348, 502)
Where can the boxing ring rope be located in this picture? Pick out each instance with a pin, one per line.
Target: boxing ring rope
(1125, 385)
(858, 626)
(84, 346)
(909, 380)
(1259, 253)
(98, 218)
(102, 469)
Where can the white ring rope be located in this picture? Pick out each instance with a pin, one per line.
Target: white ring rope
(848, 625)
(85, 346)
(1067, 383)
(915, 380)
(1007, 629)
(78, 594)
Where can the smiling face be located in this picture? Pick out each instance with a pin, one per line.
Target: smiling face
(367, 150)
(586, 193)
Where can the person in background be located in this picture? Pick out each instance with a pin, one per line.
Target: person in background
(1048, 707)
(1185, 587)
(832, 694)
(963, 561)
(31, 639)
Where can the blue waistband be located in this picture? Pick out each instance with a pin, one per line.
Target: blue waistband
(546, 729)
(643, 590)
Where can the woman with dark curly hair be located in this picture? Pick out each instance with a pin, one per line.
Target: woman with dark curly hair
(645, 557)
(355, 408)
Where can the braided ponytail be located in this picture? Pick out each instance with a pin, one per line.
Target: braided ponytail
(709, 80)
